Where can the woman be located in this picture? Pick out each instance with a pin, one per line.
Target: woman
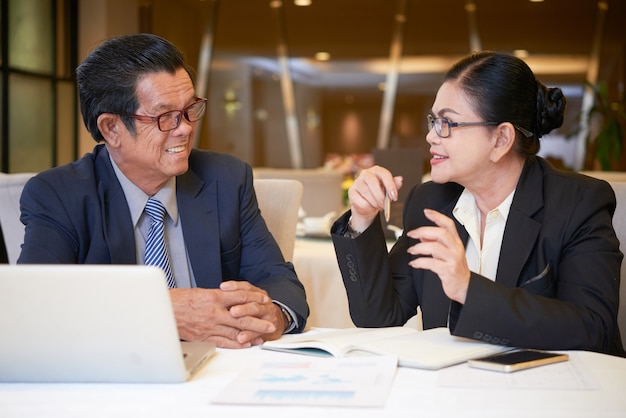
(500, 246)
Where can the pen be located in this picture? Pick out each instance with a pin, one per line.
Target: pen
(387, 208)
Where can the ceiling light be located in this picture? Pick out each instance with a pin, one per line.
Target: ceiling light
(536, 1)
(322, 56)
(302, 2)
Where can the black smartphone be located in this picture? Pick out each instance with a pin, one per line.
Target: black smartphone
(519, 359)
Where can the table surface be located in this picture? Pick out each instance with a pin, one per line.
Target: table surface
(414, 393)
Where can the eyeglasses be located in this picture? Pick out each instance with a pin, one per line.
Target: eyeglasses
(443, 126)
(171, 120)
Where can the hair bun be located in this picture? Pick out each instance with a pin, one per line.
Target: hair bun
(550, 109)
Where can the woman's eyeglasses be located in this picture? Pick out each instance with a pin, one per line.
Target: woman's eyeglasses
(443, 126)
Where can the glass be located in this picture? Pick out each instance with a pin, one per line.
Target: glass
(31, 35)
(443, 127)
(31, 145)
(171, 120)
(66, 122)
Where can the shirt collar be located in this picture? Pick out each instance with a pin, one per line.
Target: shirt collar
(137, 198)
(466, 208)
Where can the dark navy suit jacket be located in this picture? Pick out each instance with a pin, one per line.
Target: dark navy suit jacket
(557, 283)
(77, 213)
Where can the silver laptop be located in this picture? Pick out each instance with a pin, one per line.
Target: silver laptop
(88, 323)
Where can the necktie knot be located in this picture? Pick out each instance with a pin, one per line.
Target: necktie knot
(155, 210)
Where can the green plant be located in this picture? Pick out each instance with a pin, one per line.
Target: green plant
(606, 146)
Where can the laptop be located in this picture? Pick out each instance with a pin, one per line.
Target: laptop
(91, 323)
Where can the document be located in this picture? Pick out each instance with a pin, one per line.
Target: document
(351, 381)
(431, 349)
(569, 375)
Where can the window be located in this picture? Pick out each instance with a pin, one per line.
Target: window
(38, 94)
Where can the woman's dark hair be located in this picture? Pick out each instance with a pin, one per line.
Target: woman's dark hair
(502, 88)
(107, 78)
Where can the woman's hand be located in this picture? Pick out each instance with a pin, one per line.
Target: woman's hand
(367, 195)
(447, 254)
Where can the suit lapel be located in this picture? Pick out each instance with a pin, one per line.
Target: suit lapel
(521, 229)
(435, 303)
(117, 223)
(519, 239)
(197, 204)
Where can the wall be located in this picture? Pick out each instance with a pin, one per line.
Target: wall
(270, 132)
(230, 112)
(256, 131)
(99, 20)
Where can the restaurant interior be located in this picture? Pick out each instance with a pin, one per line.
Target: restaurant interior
(313, 90)
(362, 74)
(303, 84)
(316, 90)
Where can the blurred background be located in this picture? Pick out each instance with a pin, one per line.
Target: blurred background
(318, 83)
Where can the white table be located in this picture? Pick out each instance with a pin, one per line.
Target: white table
(414, 393)
(316, 265)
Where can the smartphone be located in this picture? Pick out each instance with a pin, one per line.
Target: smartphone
(518, 359)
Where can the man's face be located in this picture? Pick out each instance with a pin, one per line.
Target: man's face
(151, 157)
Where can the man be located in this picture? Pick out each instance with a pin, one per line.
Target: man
(232, 285)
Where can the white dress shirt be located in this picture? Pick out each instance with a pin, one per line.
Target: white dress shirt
(136, 199)
(482, 259)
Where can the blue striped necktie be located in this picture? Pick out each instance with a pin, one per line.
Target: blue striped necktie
(156, 249)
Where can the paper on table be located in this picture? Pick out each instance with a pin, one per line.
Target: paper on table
(571, 375)
(299, 380)
(431, 349)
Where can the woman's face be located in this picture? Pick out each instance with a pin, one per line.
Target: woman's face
(464, 156)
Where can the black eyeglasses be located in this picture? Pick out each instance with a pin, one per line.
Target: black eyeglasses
(443, 126)
(171, 120)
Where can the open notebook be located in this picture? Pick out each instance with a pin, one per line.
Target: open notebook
(91, 323)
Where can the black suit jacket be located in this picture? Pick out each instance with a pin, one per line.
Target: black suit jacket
(78, 213)
(557, 282)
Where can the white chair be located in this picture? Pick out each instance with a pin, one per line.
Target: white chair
(279, 201)
(619, 223)
(11, 186)
(609, 176)
(322, 192)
